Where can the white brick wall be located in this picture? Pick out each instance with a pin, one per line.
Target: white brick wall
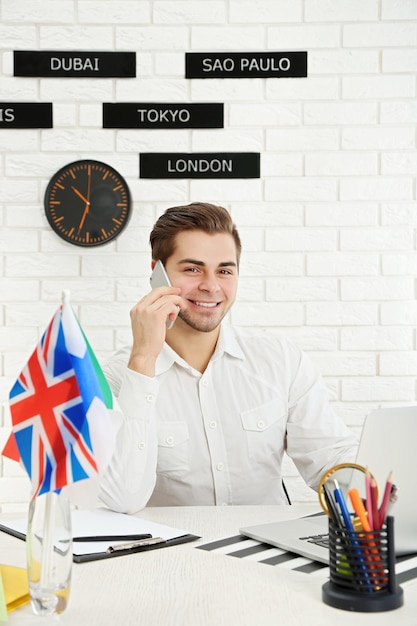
(329, 231)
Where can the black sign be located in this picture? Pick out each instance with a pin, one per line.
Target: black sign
(162, 115)
(245, 65)
(199, 165)
(25, 115)
(75, 64)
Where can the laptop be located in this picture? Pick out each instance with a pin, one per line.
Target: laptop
(388, 443)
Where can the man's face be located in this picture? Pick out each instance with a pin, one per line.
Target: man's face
(205, 267)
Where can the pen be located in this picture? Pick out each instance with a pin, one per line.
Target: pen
(392, 499)
(374, 504)
(369, 498)
(385, 500)
(338, 495)
(136, 544)
(331, 506)
(359, 508)
(112, 538)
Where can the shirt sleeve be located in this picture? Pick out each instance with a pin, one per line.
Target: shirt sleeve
(317, 439)
(129, 480)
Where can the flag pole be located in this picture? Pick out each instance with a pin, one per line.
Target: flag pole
(49, 522)
(48, 541)
(65, 296)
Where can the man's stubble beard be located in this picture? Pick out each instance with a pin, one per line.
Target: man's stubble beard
(202, 325)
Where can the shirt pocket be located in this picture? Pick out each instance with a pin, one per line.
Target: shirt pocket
(265, 428)
(173, 448)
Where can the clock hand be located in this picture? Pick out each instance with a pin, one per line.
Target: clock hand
(87, 206)
(89, 183)
(75, 190)
(87, 200)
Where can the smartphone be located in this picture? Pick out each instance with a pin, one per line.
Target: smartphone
(159, 278)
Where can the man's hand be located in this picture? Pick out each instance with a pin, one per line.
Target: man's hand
(148, 320)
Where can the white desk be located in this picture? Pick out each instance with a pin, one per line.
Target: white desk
(183, 586)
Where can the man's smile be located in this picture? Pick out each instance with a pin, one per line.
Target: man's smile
(207, 305)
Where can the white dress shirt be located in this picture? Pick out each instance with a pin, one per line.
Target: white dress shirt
(186, 438)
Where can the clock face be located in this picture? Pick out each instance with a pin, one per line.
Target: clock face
(87, 203)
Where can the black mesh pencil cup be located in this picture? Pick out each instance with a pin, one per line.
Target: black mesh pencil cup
(362, 570)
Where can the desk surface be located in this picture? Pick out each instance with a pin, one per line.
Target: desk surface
(183, 586)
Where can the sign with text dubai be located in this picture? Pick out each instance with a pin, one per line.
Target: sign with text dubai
(199, 165)
(246, 65)
(70, 64)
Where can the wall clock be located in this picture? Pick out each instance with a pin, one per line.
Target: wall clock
(87, 203)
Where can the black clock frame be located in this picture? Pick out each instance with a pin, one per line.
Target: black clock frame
(87, 203)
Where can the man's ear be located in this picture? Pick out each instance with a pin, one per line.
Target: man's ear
(153, 263)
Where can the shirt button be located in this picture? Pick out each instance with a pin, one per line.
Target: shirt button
(213, 424)
(169, 440)
(219, 467)
(150, 397)
(141, 445)
(204, 383)
(261, 424)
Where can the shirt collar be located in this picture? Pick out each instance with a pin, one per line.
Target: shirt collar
(227, 343)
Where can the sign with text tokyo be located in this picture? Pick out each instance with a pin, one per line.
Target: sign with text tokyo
(162, 115)
(25, 115)
(199, 165)
(246, 64)
(70, 64)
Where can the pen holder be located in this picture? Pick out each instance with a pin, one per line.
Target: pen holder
(362, 570)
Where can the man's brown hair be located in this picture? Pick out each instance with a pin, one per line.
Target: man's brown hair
(203, 216)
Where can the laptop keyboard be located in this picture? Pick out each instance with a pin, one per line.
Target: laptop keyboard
(318, 540)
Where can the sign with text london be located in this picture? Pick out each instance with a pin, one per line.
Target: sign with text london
(199, 165)
(246, 65)
(162, 115)
(65, 64)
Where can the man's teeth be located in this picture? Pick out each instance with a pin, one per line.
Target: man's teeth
(208, 305)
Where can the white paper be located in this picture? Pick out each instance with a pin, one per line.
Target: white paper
(104, 522)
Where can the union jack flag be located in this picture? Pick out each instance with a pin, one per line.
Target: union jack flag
(59, 405)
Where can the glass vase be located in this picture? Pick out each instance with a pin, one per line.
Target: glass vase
(49, 553)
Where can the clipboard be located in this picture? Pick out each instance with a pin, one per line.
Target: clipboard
(104, 522)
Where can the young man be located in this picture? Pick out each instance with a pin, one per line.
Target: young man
(208, 410)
